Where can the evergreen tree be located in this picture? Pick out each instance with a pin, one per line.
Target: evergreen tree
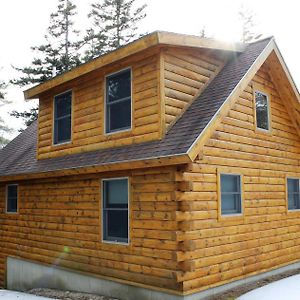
(114, 23)
(3, 128)
(59, 53)
(28, 116)
(248, 25)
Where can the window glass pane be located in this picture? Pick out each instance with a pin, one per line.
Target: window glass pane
(231, 204)
(293, 193)
(119, 86)
(116, 193)
(116, 225)
(63, 130)
(119, 115)
(12, 198)
(293, 185)
(230, 183)
(262, 115)
(63, 105)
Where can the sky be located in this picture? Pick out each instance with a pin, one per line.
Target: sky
(23, 24)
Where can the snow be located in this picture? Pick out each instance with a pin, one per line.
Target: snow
(288, 288)
(10, 295)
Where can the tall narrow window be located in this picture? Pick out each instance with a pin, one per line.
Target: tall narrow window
(293, 193)
(231, 200)
(62, 118)
(115, 210)
(118, 101)
(12, 198)
(262, 111)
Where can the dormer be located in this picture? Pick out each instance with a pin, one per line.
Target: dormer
(132, 95)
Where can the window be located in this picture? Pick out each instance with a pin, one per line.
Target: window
(262, 111)
(115, 210)
(293, 194)
(118, 101)
(62, 118)
(231, 200)
(12, 198)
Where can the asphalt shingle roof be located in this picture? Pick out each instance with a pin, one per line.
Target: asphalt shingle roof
(19, 156)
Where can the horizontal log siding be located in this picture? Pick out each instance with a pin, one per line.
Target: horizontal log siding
(88, 109)
(59, 224)
(214, 250)
(186, 73)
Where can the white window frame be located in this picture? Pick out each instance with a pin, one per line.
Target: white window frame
(241, 194)
(287, 193)
(53, 117)
(102, 210)
(269, 111)
(105, 102)
(6, 199)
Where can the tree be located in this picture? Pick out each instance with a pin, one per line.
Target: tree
(28, 116)
(57, 55)
(3, 128)
(248, 25)
(114, 23)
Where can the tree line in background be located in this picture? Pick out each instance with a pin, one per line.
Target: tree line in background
(112, 23)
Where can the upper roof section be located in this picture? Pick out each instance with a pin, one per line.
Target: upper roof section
(157, 38)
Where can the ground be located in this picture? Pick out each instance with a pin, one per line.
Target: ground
(230, 295)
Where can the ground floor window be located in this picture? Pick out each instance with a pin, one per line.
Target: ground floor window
(293, 193)
(12, 198)
(115, 193)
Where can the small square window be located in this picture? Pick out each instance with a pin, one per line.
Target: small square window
(12, 198)
(118, 101)
(62, 118)
(262, 111)
(231, 200)
(115, 210)
(293, 194)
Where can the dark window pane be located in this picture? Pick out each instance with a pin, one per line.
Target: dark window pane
(293, 193)
(116, 225)
(231, 204)
(119, 115)
(230, 183)
(262, 111)
(63, 105)
(12, 198)
(62, 119)
(116, 193)
(119, 86)
(118, 101)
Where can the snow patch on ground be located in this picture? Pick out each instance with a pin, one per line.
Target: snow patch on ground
(288, 288)
(10, 295)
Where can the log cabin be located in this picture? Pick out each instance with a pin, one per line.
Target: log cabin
(166, 169)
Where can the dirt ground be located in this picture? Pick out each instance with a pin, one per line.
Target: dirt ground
(229, 295)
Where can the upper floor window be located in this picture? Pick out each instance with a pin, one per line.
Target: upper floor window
(231, 198)
(12, 198)
(118, 101)
(62, 118)
(262, 111)
(115, 210)
(293, 193)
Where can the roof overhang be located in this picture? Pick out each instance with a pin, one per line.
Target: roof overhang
(151, 40)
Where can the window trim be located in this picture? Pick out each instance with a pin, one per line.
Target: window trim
(258, 89)
(287, 193)
(221, 216)
(53, 118)
(6, 199)
(102, 210)
(105, 102)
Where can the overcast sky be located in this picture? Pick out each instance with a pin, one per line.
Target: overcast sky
(23, 24)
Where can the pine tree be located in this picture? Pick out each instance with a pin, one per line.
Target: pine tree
(59, 53)
(3, 128)
(248, 25)
(114, 23)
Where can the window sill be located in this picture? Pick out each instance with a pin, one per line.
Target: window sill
(231, 217)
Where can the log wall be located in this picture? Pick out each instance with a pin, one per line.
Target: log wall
(59, 224)
(218, 250)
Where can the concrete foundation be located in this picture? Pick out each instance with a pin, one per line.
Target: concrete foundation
(23, 275)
